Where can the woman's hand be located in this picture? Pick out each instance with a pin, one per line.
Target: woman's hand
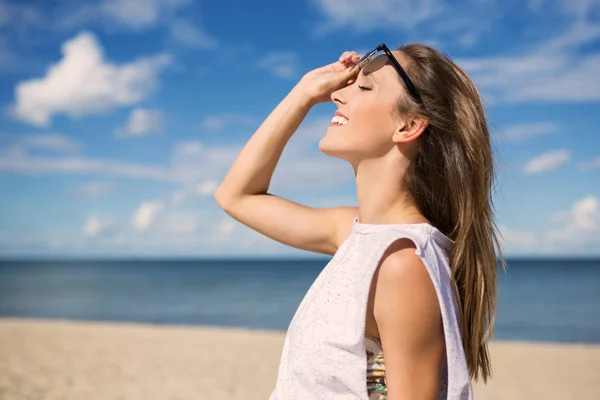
(318, 84)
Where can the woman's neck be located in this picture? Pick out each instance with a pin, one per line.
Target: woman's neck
(382, 195)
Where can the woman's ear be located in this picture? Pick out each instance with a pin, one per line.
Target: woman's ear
(410, 129)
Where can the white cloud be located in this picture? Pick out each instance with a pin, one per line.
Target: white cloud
(94, 225)
(179, 223)
(185, 32)
(585, 214)
(468, 39)
(578, 83)
(207, 188)
(527, 131)
(194, 162)
(515, 238)
(82, 82)
(51, 142)
(142, 122)
(282, 64)
(226, 227)
(578, 229)
(580, 8)
(16, 160)
(547, 161)
(554, 71)
(582, 223)
(220, 122)
(94, 189)
(179, 197)
(589, 165)
(18, 15)
(364, 16)
(145, 214)
(213, 123)
(535, 5)
(302, 165)
(139, 14)
(311, 131)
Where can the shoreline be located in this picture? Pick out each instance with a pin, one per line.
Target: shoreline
(52, 359)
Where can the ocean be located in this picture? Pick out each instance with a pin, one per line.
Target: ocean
(539, 300)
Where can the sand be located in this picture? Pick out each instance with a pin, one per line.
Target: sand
(51, 360)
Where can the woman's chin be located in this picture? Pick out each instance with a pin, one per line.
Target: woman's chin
(333, 147)
(339, 142)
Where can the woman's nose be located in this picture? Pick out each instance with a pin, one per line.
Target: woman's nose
(337, 97)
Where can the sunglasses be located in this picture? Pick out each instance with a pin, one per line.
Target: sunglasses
(409, 85)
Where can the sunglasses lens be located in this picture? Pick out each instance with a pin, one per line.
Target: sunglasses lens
(372, 61)
(365, 60)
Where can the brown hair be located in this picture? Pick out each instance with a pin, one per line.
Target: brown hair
(451, 180)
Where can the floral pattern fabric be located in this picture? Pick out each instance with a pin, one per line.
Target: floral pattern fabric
(376, 385)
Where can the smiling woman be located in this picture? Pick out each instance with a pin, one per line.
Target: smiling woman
(405, 307)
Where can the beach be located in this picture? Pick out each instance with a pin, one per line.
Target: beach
(51, 360)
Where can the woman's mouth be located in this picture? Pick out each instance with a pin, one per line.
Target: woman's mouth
(338, 120)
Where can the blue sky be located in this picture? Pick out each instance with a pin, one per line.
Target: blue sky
(119, 117)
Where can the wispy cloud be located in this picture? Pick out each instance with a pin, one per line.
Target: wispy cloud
(590, 165)
(580, 8)
(139, 14)
(145, 214)
(93, 189)
(362, 16)
(179, 223)
(197, 166)
(186, 32)
(95, 225)
(526, 131)
(111, 15)
(92, 226)
(226, 227)
(576, 229)
(51, 142)
(82, 82)
(581, 224)
(16, 14)
(207, 188)
(141, 122)
(282, 64)
(547, 162)
(17, 160)
(218, 122)
(135, 15)
(554, 71)
(517, 239)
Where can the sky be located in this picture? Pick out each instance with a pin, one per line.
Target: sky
(119, 118)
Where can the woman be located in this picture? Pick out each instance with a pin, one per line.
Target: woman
(405, 307)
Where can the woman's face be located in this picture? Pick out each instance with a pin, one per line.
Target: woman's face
(366, 119)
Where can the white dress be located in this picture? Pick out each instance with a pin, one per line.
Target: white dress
(325, 350)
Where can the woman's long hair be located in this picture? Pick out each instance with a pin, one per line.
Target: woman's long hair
(451, 180)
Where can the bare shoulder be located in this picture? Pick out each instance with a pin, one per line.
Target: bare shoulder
(400, 262)
(404, 288)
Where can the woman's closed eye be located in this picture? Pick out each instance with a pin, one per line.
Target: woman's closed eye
(363, 87)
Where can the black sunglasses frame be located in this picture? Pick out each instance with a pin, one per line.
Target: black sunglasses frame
(409, 85)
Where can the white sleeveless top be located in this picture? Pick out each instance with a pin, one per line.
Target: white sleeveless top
(324, 353)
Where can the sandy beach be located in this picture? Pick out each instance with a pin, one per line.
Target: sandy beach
(51, 360)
